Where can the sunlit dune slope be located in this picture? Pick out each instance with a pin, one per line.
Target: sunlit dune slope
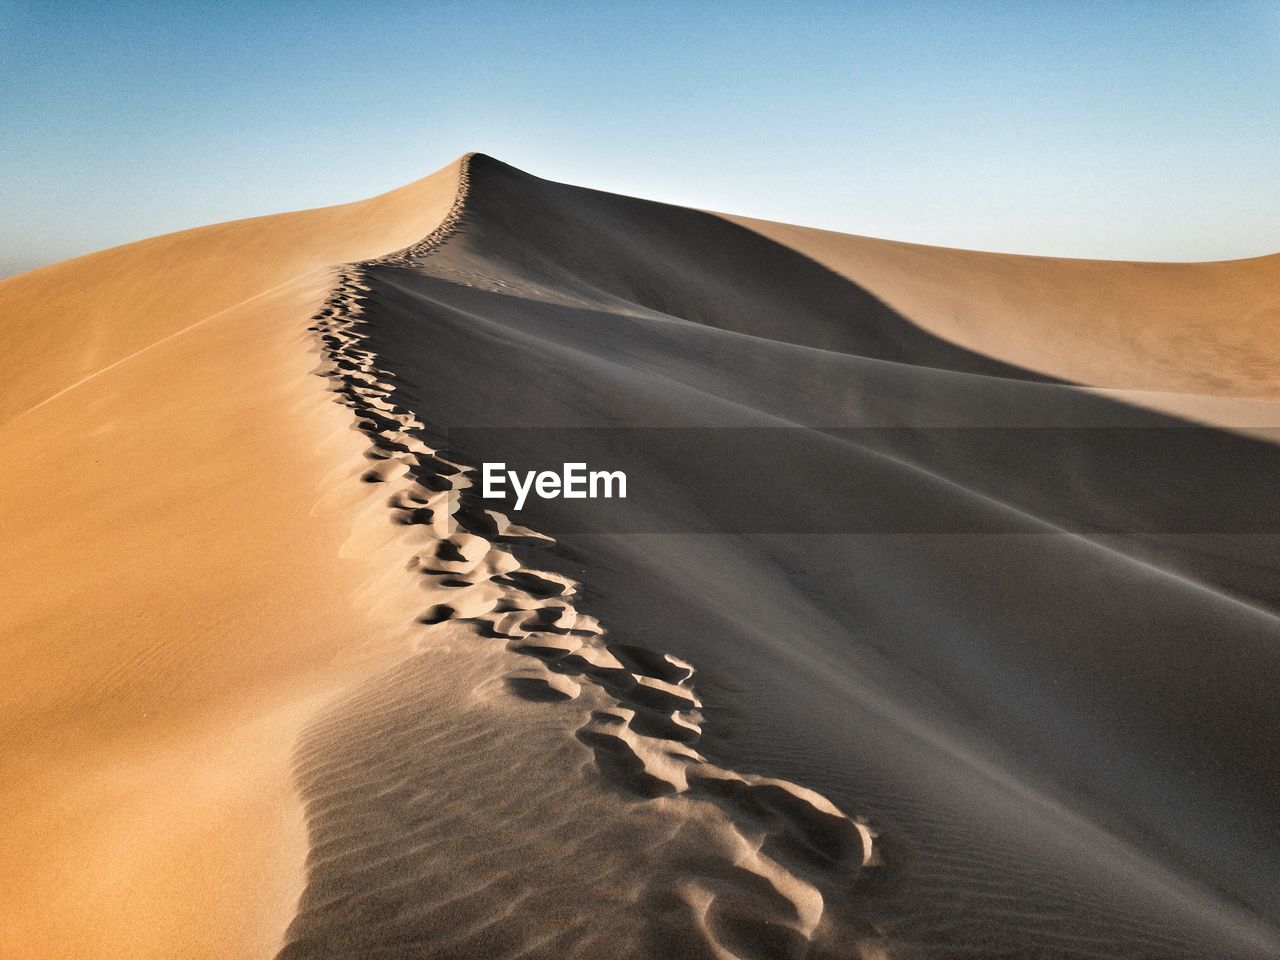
(181, 566)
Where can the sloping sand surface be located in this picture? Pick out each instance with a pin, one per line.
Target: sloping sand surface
(183, 562)
(939, 638)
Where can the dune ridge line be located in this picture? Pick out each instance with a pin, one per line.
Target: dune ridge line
(448, 224)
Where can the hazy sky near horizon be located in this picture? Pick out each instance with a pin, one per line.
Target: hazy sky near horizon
(1113, 129)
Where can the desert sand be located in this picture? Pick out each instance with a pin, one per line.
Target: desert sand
(980, 661)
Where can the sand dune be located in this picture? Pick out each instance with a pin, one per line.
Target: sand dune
(1177, 327)
(970, 653)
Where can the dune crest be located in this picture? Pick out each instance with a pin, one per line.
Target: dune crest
(67, 321)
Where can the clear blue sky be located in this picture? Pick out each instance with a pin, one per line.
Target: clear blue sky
(1115, 129)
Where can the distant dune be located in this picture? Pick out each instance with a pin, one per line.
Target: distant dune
(1201, 328)
(972, 653)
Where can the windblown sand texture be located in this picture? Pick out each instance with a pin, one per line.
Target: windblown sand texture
(281, 684)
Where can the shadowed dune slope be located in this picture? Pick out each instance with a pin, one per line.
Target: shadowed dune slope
(1066, 739)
